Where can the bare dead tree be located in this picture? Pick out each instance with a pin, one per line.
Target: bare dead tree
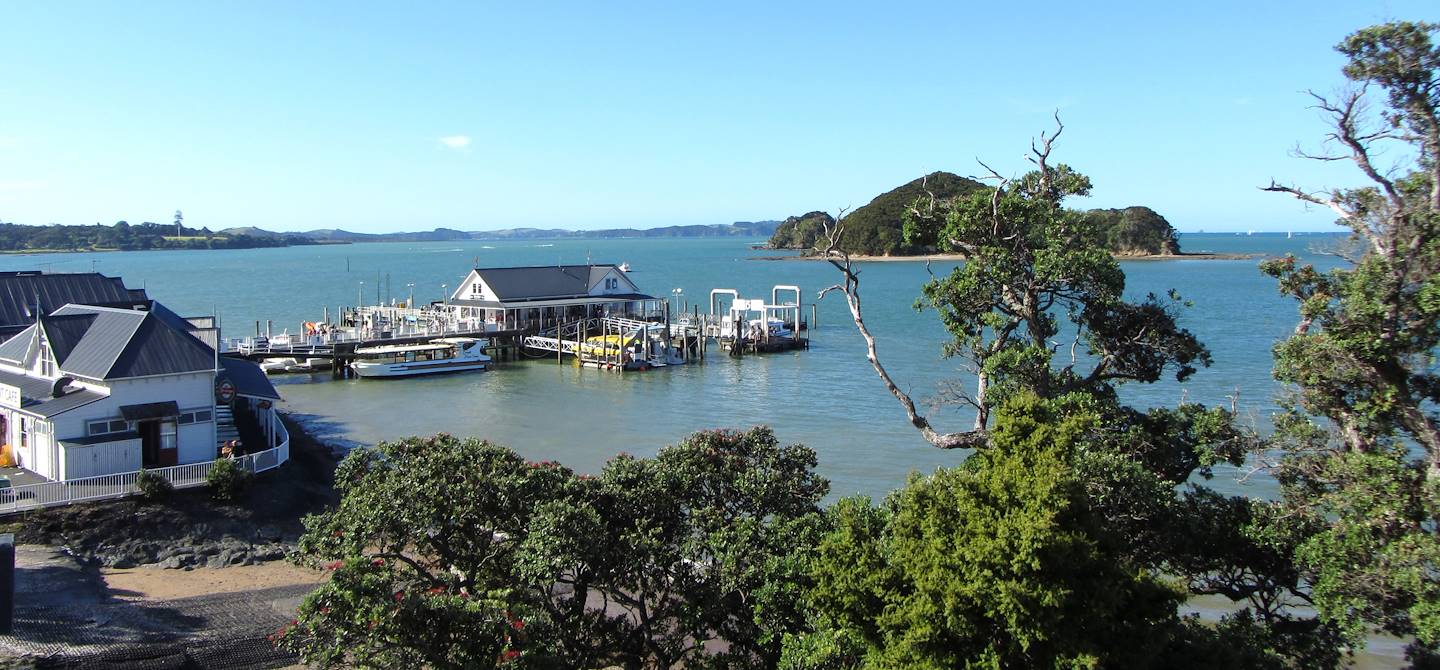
(850, 287)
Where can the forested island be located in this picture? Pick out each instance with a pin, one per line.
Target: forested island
(878, 228)
(122, 236)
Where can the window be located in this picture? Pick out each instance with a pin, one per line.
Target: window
(167, 434)
(106, 426)
(47, 361)
(24, 431)
(197, 415)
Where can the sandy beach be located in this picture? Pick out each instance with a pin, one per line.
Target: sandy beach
(154, 583)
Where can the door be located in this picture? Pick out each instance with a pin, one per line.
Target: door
(149, 443)
(158, 446)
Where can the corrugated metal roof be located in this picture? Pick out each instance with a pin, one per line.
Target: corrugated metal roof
(248, 378)
(14, 349)
(544, 282)
(105, 340)
(124, 343)
(64, 332)
(19, 292)
(36, 395)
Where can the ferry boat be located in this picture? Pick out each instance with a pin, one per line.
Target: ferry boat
(446, 354)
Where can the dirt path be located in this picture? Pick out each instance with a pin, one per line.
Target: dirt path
(152, 583)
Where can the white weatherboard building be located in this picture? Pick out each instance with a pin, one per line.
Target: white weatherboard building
(88, 391)
(535, 298)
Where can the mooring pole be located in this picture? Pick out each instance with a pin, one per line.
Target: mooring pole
(7, 583)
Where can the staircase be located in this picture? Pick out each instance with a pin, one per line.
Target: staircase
(225, 429)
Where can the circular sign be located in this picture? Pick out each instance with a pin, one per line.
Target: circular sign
(226, 391)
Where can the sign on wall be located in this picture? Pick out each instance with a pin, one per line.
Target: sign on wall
(9, 395)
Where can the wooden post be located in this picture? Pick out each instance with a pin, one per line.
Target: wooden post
(7, 583)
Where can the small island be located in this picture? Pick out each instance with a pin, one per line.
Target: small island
(877, 230)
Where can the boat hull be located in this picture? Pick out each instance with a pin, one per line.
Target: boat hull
(382, 370)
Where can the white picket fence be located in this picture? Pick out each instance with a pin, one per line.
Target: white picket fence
(55, 494)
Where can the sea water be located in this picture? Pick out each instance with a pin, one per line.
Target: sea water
(828, 397)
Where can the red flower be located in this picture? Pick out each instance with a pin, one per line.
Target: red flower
(334, 565)
(435, 590)
(377, 562)
(509, 655)
(518, 624)
(399, 596)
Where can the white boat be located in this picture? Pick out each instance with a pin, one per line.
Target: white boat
(773, 327)
(446, 354)
(274, 365)
(624, 267)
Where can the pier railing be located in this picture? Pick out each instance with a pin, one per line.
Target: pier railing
(104, 487)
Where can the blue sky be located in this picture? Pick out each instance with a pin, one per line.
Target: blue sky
(409, 116)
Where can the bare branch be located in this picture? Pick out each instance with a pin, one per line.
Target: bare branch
(839, 258)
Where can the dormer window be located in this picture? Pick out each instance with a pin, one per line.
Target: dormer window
(47, 361)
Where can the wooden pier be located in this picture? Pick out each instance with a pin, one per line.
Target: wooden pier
(504, 345)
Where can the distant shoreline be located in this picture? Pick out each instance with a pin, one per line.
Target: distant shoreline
(960, 257)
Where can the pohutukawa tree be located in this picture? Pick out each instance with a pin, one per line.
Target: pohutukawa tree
(1029, 262)
(1360, 443)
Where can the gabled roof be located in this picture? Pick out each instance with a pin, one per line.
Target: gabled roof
(542, 282)
(19, 292)
(108, 343)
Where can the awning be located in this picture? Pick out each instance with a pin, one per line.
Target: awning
(247, 378)
(150, 410)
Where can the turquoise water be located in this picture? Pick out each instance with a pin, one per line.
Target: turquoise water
(827, 397)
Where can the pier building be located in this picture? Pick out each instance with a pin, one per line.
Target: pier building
(544, 297)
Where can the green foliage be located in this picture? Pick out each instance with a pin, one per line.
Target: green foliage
(997, 563)
(227, 480)
(125, 237)
(1360, 438)
(152, 486)
(1133, 231)
(454, 548)
(801, 232)
(1030, 261)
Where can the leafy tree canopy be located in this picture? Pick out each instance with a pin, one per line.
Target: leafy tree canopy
(1360, 443)
(453, 553)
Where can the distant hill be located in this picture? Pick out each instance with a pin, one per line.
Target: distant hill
(877, 229)
(333, 235)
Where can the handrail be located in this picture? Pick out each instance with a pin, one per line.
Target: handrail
(104, 487)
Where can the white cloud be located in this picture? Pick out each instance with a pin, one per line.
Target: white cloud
(456, 141)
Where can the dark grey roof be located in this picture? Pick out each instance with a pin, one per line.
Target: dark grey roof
(594, 299)
(123, 343)
(20, 290)
(66, 332)
(14, 349)
(544, 282)
(247, 377)
(102, 439)
(150, 410)
(36, 395)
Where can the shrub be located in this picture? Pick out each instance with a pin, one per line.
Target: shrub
(226, 480)
(151, 485)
